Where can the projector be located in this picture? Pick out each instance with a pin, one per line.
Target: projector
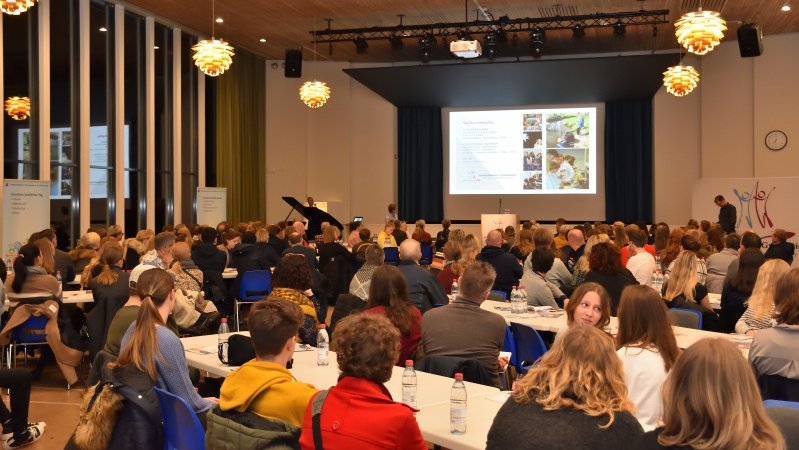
(466, 49)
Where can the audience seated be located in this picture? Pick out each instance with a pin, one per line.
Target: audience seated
(524, 246)
(736, 292)
(760, 307)
(212, 262)
(227, 242)
(689, 243)
(423, 289)
(685, 292)
(330, 248)
(647, 348)
(606, 270)
(361, 282)
(353, 238)
(161, 255)
(507, 267)
(135, 248)
(335, 262)
(774, 350)
(640, 262)
(86, 251)
(388, 296)
(30, 281)
(358, 412)
(589, 305)
(574, 250)
(560, 234)
(110, 290)
(275, 241)
(386, 237)
(61, 259)
(462, 328)
(297, 247)
(291, 281)
(400, 232)
(575, 397)
(540, 291)
(359, 250)
(748, 240)
(718, 263)
(264, 386)
(267, 253)
(442, 237)
(711, 401)
(780, 248)
(419, 234)
(246, 256)
(452, 266)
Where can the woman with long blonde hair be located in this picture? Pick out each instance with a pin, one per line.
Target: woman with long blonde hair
(581, 268)
(134, 248)
(711, 401)
(575, 397)
(685, 292)
(760, 308)
(619, 234)
(470, 247)
(48, 255)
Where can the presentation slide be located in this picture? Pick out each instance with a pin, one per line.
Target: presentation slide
(523, 151)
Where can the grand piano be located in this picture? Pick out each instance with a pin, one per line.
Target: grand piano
(314, 215)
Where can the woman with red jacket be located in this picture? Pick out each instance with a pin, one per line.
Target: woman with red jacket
(359, 412)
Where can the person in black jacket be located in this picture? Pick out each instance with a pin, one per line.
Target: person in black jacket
(212, 262)
(297, 247)
(728, 215)
(268, 253)
(246, 257)
(110, 290)
(274, 240)
(736, 292)
(780, 248)
(508, 269)
(63, 262)
(443, 236)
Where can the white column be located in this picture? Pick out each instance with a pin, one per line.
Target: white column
(149, 81)
(177, 128)
(84, 83)
(118, 127)
(44, 89)
(200, 129)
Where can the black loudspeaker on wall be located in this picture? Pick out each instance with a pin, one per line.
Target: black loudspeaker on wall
(293, 63)
(750, 40)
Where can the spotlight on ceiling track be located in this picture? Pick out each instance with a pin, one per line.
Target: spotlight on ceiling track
(537, 40)
(491, 44)
(361, 45)
(578, 31)
(396, 41)
(619, 29)
(426, 44)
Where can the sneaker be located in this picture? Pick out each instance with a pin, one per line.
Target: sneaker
(8, 432)
(35, 431)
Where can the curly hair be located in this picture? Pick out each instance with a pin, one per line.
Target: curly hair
(367, 346)
(292, 272)
(582, 372)
(605, 258)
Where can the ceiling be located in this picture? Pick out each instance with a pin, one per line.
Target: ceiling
(287, 23)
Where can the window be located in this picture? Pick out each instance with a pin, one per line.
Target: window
(164, 173)
(188, 96)
(136, 202)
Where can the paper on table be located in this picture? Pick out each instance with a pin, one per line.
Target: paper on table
(303, 348)
(502, 397)
(207, 350)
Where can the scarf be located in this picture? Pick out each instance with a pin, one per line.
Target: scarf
(36, 270)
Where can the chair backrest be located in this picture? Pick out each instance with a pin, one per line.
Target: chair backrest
(391, 255)
(497, 296)
(447, 366)
(529, 345)
(182, 428)
(780, 404)
(427, 255)
(31, 331)
(255, 285)
(510, 346)
(686, 318)
(775, 387)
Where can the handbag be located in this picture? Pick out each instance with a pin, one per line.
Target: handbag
(198, 297)
(239, 350)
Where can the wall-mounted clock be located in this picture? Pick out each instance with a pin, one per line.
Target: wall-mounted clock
(776, 140)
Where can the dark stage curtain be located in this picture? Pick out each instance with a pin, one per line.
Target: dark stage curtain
(421, 164)
(628, 161)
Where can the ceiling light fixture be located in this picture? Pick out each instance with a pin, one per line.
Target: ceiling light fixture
(786, 7)
(16, 7)
(619, 29)
(680, 80)
(213, 56)
(103, 29)
(220, 20)
(315, 93)
(426, 45)
(578, 31)
(396, 41)
(700, 31)
(262, 40)
(19, 108)
(361, 45)
(491, 44)
(537, 40)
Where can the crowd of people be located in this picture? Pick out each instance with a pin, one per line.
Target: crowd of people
(590, 390)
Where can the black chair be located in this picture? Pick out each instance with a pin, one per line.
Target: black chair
(775, 387)
(447, 366)
(338, 272)
(345, 305)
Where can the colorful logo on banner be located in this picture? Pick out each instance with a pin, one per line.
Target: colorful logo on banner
(753, 203)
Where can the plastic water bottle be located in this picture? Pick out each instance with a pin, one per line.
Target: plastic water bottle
(322, 347)
(457, 406)
(657, 279)
(60, 280)
(454, 289)
(222, 337)
(409, 384)
(522, 300)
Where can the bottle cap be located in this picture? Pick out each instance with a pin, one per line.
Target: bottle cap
(323, 326)
(223, 320)
(408, 362)
(514, 287)
(459, 376)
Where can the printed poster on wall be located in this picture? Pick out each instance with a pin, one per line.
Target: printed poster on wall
(211, 205)
(26, 208)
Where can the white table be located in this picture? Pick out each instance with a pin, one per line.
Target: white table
(480, 413)
(685, 336)
(67, 297)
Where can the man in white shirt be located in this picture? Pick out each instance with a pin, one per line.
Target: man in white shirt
(641, 263)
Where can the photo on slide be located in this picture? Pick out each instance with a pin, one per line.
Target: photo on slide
(533, 139)
(567, 169)
(531, 122)
(568, 130)
(532, 160)
(533, 181)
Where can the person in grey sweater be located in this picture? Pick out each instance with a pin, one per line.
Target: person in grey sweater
(541, 291)
(577, 417)
(423, 288)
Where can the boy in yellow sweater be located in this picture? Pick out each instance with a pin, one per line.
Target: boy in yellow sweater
(263, 385)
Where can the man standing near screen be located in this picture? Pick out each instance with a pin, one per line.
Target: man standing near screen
(727, 214)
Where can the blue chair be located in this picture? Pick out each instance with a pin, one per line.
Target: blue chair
(391, 255)
(497, 296)
(427, 255)
(686, 318)
(255, 285)
(529, 345)
(30, 332)
(780, 404)
(182, 428)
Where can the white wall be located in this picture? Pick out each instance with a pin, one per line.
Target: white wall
(719, 130)
(342, 153)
